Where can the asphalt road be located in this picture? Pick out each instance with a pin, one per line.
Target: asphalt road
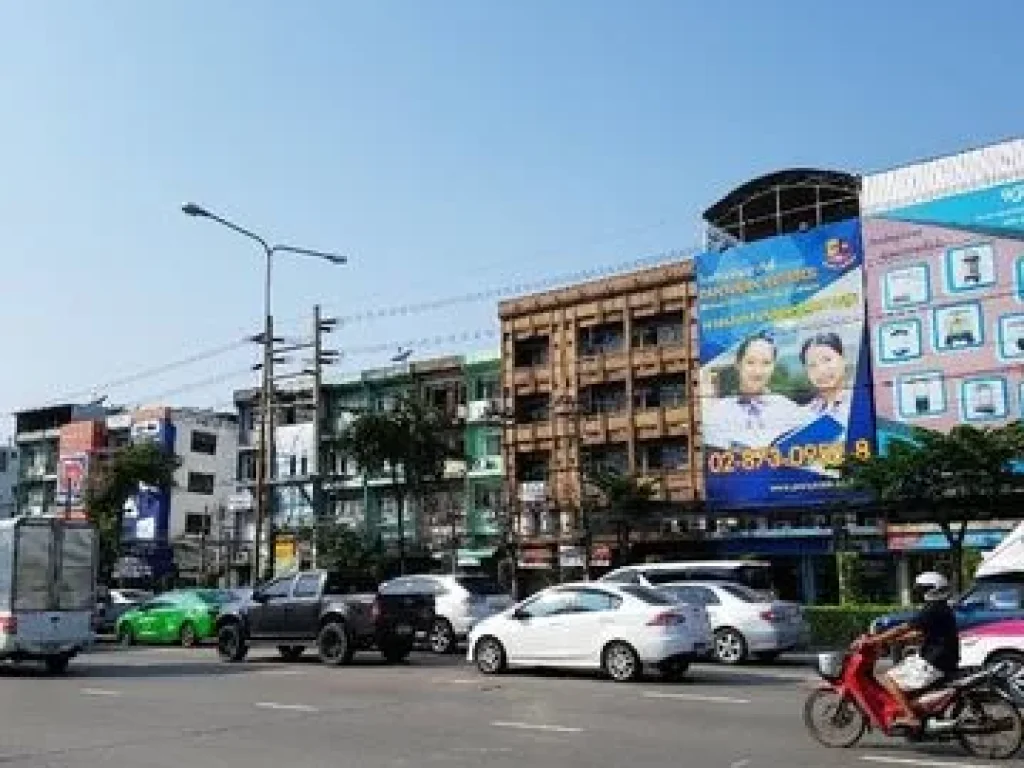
(151, 708)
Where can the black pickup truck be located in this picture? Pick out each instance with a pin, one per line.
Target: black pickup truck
(338, 613)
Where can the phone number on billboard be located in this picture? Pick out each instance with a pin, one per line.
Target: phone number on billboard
(750, 459)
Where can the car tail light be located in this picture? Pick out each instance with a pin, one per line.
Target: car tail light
(375, 610)
(770, 616)
(9, 624)
(667, 619)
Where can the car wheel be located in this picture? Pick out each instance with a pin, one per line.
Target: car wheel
(621, 662)
(730, 647)
(1014, 658)
(334, 645)
(57, 665)
(396, 652)
(442, 637)
(291, 652)
(490, 656)
(187, 635)
(125, 636)
(231, 644)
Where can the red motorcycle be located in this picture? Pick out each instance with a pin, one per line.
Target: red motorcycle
(978, 709)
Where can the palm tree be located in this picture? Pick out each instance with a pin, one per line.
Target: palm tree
(625, 501)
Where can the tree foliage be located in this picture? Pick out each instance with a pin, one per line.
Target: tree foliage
(340, 547)
(409, 443)
(625, 501)
(949, 478)
(115, 479)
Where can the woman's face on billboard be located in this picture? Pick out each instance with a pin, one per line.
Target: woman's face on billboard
(756, 367)
(826, 368)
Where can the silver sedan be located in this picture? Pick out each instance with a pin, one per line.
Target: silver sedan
(745, 623)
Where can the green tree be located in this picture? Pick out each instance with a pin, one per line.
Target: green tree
(115, 479)
(950, 479)
(410, 443)
(340, 547)
(625, 501)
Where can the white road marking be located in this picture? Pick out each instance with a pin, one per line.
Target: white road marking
(536, 727)
(695, 697)
(456, 680)
(740, 763)
(286, 707)
(915, 761)
(99, 692)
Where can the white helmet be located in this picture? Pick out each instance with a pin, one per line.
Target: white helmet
(934, 585)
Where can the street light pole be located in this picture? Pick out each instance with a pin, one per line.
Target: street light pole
(266, 455)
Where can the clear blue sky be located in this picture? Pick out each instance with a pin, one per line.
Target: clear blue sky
(445, 146)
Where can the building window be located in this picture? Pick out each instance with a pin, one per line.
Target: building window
(531, 352)
(492, 445)
(204, 442)
(658, 331)
(197, 524)
(661, 392)
(200, 482)
(601, 339)
(663, 455)
(532, 468)
(486, 498)
(485, 389)
(533, 408)
(604, 398)
(3, 461)
(612, 459)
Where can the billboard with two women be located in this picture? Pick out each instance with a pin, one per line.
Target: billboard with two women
(785, 384)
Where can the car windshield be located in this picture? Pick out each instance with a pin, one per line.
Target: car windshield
(134, 595)
(647, 594)
(480, 585)
(215, 596)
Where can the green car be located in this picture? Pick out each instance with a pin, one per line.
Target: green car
(182, 617)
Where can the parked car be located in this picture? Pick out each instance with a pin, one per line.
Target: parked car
(614, 628)
(744, 623)
(756, 575)
(460, 602)
(113, 603)
(336, 612)
(183, 617)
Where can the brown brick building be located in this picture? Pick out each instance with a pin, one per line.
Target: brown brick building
(601, 374)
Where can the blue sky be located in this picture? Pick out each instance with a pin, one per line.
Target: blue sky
(447, 147)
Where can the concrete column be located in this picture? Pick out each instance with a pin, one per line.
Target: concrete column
(808, 586)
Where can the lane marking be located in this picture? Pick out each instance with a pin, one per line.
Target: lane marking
(695, 697)
(286, 707)
(915, 761)
(456, 681)
(98, 692)
(741, 763)
(535, 727)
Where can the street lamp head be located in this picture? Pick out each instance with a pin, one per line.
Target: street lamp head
(191, 209)
(335, 259)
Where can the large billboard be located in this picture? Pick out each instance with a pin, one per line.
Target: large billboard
(785, 390)
(146, 517)
(944, 264)
(78, 441)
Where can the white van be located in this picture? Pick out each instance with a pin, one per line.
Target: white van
(47, 589)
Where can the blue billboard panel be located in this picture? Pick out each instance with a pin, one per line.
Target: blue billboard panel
(147, 514)
(785, 385)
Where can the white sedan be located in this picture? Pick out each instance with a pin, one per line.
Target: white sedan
(614, 628)
(744, 622)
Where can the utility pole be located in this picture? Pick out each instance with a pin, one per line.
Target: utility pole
(321, 357)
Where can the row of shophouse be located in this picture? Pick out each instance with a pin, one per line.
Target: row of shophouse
(907, 282)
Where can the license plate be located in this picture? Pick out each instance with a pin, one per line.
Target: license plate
(403, 629)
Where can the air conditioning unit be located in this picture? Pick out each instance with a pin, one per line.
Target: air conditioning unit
(462, 412)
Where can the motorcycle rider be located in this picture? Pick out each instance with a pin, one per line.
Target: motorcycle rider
(935, 627)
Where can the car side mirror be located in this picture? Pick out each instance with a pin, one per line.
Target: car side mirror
(258, 597)
(520, 615)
